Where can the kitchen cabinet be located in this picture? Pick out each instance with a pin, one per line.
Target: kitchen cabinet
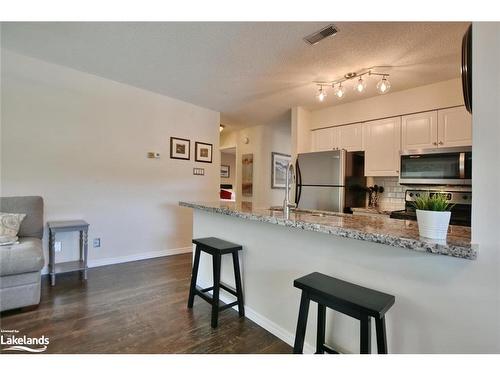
(454, 127)
(449, 127)
(351, 137)
(325, 139)
(419, 131)
(382, 143)
(348, 137)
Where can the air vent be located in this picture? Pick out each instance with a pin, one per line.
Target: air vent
(318, 36)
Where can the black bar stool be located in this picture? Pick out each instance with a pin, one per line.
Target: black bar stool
(217, 247)
(350, 299)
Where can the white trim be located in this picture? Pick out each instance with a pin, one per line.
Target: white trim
(269, 325)
(132, 257)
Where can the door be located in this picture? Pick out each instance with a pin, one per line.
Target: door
(324, 198)
(419, 131)
(382, 140)
(454, 127)
(325, 139)
(351, 137)
(321, 168)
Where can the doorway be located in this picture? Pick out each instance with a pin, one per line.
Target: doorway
(228, 174)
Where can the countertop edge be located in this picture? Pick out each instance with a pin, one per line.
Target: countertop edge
(456, 251)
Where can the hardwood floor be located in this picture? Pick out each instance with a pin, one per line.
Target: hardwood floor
(136, 307)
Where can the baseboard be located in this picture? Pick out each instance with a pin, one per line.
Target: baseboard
(269, 325)
(132, 257)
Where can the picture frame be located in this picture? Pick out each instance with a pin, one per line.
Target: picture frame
(279, 163)
(180, 148)
(225, 171)
(203, 152)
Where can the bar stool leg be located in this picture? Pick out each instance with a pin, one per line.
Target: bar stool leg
(215, 298)
(365, 323)
(381, 335)
(300, 333)
(194, 276)
(320, 335)
(239, 289)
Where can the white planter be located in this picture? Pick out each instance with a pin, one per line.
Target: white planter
(433, 224)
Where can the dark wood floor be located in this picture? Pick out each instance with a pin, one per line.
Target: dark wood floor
(137, 307)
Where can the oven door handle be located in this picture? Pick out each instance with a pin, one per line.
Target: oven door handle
(461, 165)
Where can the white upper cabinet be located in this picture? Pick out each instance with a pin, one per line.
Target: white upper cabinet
(351, 137)
(454, 127)
(348, 137)
(382, 142)
(325, 139)
(419, 131)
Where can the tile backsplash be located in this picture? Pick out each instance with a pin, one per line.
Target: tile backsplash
(393, 197)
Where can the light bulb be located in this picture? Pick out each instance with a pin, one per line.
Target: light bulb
(360, 86)
(339, 91)
(383, 86)
(321, 94)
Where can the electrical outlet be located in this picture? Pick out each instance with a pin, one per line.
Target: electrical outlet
(58, 246)
(96, 242)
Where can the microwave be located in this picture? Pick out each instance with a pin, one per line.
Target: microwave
(446, 166)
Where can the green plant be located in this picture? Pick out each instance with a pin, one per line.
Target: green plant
(434, 202)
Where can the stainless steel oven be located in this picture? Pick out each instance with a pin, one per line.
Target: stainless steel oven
(446, 166)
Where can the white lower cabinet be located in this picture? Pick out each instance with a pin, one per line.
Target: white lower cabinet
(382, 143)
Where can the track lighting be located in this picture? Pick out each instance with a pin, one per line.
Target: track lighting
(321, 94)
(383, 86)
(360, 86)
(339, 91)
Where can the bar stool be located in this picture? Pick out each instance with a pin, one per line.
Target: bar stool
(216, 247)
(350, 299)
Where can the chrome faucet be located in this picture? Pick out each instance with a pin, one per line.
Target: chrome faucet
(290, 175)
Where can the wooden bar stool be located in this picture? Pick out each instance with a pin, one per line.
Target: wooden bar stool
(217, 247)
(350, 299)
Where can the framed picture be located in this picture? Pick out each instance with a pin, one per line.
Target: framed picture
(279, 164)
(224, 171)
(203, 152)
(247, 175)
(180, 148)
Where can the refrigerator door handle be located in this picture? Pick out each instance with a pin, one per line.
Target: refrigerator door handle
(298, 183)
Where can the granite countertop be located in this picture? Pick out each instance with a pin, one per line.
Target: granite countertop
(378, 229)
(370, 210)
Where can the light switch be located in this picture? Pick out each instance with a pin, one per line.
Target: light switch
(58, 246)
(199, 171)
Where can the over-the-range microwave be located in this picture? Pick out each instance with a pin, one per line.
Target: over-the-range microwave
(446, 166)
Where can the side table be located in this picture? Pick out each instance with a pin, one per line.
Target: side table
(77, 265)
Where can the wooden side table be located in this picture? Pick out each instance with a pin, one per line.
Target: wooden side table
(76, 265)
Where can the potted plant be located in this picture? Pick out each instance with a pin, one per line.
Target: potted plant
(433, 215)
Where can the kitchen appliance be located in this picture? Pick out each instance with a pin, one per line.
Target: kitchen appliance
(460, 211)
(330, 180)
(441, 166)
(466, 68)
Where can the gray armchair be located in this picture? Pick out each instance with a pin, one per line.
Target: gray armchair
(21, 264)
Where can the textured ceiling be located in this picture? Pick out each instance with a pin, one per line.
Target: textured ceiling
(253, 73)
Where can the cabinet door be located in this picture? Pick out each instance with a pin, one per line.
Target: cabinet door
(325, 139)
(351, 137)
(454, 127)
(382, 141)
(419, 131)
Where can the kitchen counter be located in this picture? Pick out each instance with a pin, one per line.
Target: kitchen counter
(378, 229)
(369, 211)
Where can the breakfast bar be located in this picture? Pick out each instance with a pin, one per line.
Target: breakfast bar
(375, 252)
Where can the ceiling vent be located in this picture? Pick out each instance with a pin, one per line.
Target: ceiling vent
(318, 36)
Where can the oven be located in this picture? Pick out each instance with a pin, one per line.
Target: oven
(446, 166)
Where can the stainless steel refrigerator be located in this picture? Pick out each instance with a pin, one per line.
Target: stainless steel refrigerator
(330, 181)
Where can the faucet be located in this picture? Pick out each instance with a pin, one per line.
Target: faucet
(290, 175)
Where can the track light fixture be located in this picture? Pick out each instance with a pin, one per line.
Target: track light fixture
(383, 86)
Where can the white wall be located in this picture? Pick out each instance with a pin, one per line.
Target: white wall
(263, 140)
(80, 141)
(423, 98)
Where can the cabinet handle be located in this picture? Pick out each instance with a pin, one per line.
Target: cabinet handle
(441, 143)
(434, 143)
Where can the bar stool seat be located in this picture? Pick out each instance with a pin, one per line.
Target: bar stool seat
(354, 300)
(217, 247)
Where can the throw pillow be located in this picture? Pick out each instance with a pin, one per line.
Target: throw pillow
(10, 223)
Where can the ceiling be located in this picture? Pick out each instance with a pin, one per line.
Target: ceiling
(253, 73)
